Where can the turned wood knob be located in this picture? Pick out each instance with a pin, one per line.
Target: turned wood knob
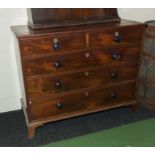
(58, 85)
(57, 65)
(117, 37)
(56, 44)
(114, 75)
(59, 105)
(112, 95)
(116, 56)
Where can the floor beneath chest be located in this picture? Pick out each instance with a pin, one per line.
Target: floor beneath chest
(136, 134)
(13, 130)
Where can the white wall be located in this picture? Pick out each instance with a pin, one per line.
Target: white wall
(141, 15)
(9, 85)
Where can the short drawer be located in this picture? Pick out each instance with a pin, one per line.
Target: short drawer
(88, 78)
(81, 101)
(115, 36)
(118, 56)
(38, 46)
(97, 57)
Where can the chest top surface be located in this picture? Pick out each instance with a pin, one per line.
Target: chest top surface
(25, 31)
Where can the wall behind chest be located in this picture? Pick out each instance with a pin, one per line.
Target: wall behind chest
(9, 85)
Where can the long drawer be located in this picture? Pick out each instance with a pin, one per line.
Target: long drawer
(88, 78)
(126, 55)
(81, 101)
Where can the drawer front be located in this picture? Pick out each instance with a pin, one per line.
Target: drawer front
(88, 78)
(63, 62)
(117, 56)
(115, 36)
(82, 101)
(52, 44)
(99, 57)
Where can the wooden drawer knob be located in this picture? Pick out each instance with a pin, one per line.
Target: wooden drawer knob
(59, 105)
(116, 56)
(57, 65)
(56, 44)
(114, 75)
(112, 95)
(117, 37)
(58, 85)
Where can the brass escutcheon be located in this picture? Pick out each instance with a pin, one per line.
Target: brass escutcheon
(116, 34)
(86, 73)
(30, 102)
(86, 93)
(55, 40)
(87, 54)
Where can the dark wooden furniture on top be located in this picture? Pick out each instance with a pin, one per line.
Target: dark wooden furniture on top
(57, 17)
(72, 71)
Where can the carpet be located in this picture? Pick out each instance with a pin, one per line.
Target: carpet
(141, 133)
(13, 130)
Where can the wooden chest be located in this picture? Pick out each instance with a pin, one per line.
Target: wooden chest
(72, 71)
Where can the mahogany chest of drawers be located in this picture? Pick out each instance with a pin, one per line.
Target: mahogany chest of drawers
(71, 71)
